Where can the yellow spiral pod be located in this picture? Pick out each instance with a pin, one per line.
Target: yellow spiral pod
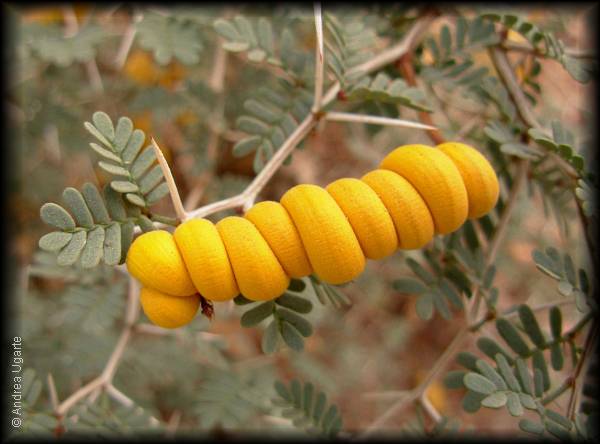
(417, 191)
(327, 236)
(258, 273)
(154, 260)
(409, 212)
(168, 311)
(437, 180)
(370, 220)
(278, 229)
(206, 259)
(477, 174)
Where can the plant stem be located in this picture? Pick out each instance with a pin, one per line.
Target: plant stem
(581, 370)
(376, 120)
(105, 378)
(405, 64)
(566, 385)
(175, 197)
(319, 59)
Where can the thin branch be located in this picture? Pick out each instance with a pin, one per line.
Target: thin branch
(125, 400)
(541, 307)
(405, 64)
(173, 423)
(76, 396)
(501, 227)
(319, 59)
(71, 30)
(430, 409)
(127, 42)
(119, 396)
(375, 120)
(246, 198)
(52, 390)
(509, 79)
(217, 77)
(581, 370)
(500, 231)
(105, 378)
(249, 194)
(390, 55)
(527, 48)
(175, 198)
(94, 75)
(417, 392)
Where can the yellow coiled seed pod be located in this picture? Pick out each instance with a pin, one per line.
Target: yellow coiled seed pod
(438, 181)
(259, 274)
(205, 256)
(368, 216)
(331, 245)
(417, 192)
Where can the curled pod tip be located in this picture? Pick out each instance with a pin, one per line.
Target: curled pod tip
(478, 176)
(155, 261)
(168, 311)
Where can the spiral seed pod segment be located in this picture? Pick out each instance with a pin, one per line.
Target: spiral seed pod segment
(418, 191)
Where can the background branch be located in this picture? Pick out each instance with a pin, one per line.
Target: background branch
(319, 59)
(405, 65)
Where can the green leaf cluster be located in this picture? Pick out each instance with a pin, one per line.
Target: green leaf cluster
(271, 115)
(327, 293)
(553, 48)
(287, 322)
(382, 89)
(170, 37)
(434, 292)
(241, 35)
(104, 419)
(307, 408)
(512, 382)
(561, 142)
(453, 63)
(454, 265)
(226, 399)
(348, 43)
(50, 44)
(95, 228)
(504, 135)
(139, 177)
(571, 283)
